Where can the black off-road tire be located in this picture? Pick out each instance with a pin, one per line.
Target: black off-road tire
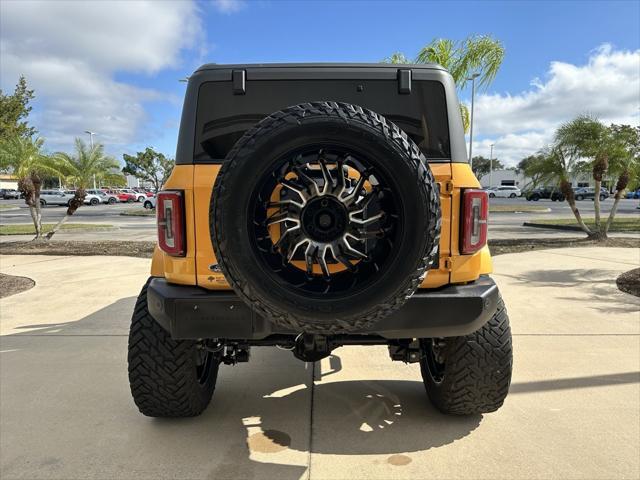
(477, 369)
(252, 157)
(163, 373)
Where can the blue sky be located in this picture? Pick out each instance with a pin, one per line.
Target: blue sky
(558, 55)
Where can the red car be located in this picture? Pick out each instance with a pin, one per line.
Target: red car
(122, 196)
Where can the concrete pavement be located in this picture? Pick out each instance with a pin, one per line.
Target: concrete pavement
(573, 409)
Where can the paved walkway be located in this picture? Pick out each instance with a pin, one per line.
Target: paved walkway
(573, 410)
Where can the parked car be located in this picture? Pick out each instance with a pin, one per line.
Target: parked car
(91, 198)
(139, 196)
(55, 197)
(551, 193)
(348, 253)
(9, 193)
(633, 194)
(505, 191)
(104, 196)
(149, 203)
(585, 193)
(122, 196)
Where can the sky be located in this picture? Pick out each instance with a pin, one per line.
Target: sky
(113, 67)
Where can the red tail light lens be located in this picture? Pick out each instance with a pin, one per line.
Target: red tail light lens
(170, 216)
(475, 213)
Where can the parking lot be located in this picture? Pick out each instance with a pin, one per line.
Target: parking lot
(501, 224)
(572, 411)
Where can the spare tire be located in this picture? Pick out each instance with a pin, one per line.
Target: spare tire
(325, 217)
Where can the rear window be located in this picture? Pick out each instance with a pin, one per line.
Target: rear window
(222, 117)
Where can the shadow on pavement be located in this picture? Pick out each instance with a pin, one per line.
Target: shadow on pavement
(576, 382)
(257, 426)
(567, 278)
(264, 420)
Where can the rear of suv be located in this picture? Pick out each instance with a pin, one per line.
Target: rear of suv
(312, 207)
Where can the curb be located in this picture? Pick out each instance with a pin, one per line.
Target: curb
(542, 210)
(566, 228)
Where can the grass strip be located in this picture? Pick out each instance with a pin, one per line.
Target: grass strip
(29, 229)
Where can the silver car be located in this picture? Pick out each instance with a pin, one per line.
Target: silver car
(54, 197)
(104, 197)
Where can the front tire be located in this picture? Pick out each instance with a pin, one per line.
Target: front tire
(168, 378)
(492, 195)
(148, 205)
(579, 197)
(471, 374)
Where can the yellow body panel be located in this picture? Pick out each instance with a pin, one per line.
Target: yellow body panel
(181, 270)
(196, 181)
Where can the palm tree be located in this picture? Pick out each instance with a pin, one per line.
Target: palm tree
(23, 157)
(556, 164)
(584, 144)
(80, 169)
(479, 54)
(396, 57)
(591, 140)
(624, 162)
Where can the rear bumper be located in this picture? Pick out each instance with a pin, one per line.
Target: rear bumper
(189, 312)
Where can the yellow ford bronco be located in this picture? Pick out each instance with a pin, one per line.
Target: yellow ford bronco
(314, 206)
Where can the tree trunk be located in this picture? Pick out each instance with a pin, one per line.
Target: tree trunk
(596, 204)
(600, 166)
(567, 191)
(621, 185)
(75, 203)
(29, 186)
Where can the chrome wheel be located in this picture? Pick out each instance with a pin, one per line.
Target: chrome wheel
(325, 220)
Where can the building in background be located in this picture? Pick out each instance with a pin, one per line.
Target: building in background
(8, 181)
(510, 177)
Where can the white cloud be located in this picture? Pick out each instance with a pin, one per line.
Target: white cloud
(228, 6)
(70, 53)
(607, 86)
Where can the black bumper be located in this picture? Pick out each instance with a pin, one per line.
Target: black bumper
(188, 312)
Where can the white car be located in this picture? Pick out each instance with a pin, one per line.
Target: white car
(104, 197)
(505, 191)
(149, 203)
(90, 198)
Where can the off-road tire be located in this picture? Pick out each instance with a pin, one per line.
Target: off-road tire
(345, 315)
(477, 371)
(162, 371)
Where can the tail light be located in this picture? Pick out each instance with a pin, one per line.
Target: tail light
(475, 212)
(170, 216)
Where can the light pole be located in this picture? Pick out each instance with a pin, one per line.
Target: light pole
(473, 95)
(491, 167)
(91, 134)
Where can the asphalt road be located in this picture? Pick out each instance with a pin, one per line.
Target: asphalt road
(501, 225)
(110, 214)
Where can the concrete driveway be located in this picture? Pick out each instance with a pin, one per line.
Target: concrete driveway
(573, 410)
